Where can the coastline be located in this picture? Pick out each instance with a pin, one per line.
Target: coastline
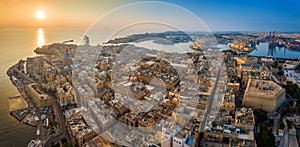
(21, 95)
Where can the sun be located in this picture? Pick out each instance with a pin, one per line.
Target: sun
(40, 14)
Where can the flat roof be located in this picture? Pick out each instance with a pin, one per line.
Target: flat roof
(263, 88)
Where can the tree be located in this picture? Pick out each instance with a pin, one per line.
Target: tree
(265, 137)
(260, 115)
(292, 90)
(289, 124)
(280, 73)
(287, 110)
(65, 142)
(280, 68)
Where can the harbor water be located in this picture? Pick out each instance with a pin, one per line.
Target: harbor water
(263, 49)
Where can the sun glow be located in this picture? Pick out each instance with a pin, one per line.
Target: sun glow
(40, 15)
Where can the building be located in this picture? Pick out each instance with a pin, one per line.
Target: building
(148, 120)
(234, 86)
(65, 94)
(228, 102)
(41, 99)
(239, 134)
(176, 137)
(167, 138)
(97, 142)
(103, 116)
(80, 132)
(131, 118)
(250, 72)
(245, 60)
(138, 90)
(167, 108)
(157, 68)
(67, 58)
(179, 139)
(263, 94)
(289, 138)
(244, 119)
(34, 143)
(50, 73)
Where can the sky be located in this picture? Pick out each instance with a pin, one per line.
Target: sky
(218, 15)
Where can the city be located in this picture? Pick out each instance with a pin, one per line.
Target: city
(153, 80)
(249, 94)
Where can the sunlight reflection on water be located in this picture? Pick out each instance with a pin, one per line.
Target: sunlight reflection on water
(40, 37)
